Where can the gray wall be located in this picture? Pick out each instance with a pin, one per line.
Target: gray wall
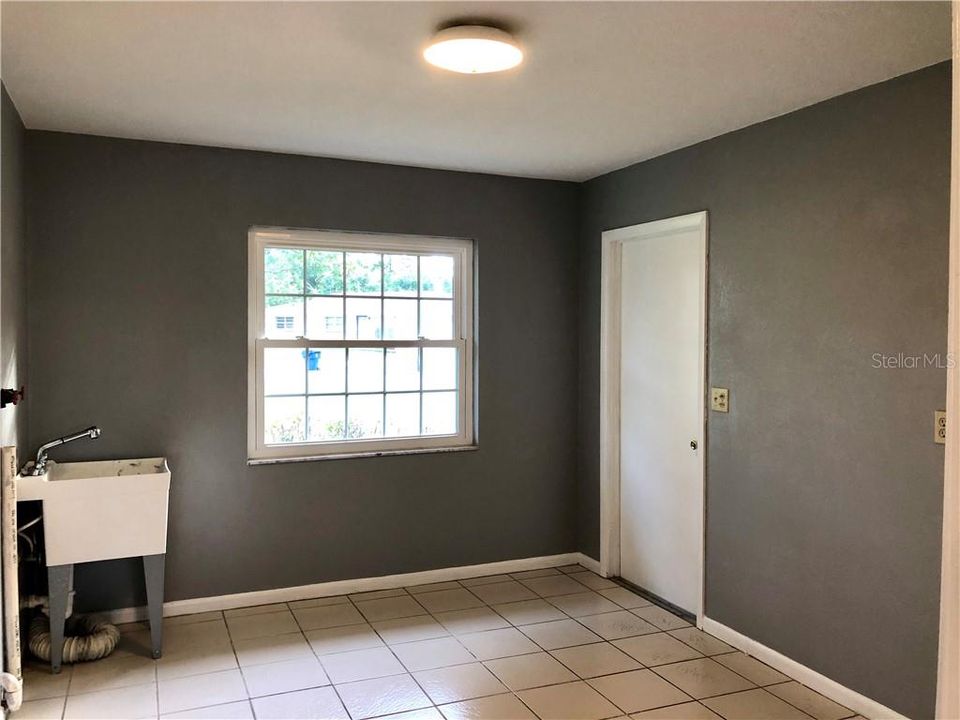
(138, 317)
(13, 284)
(13, 287)
(828, 243)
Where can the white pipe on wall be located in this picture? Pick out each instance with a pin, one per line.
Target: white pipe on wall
(12, 676)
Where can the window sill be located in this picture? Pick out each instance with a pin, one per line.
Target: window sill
(354, 455)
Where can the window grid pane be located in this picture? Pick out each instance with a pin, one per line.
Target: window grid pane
(364, 415)
(324, 274)
(284, 420)
(283, 271)
(402, 415)
(364, 272)
(340, 276)
(332, 417)
(317, 279)
(402, 280)
(325, 418)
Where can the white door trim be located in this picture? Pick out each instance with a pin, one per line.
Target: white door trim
(610, 280)
(948, 672)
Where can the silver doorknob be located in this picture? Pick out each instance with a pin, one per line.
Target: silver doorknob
(693, 444)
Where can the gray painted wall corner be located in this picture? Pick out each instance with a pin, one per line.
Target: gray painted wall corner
(827, 226)
(828, 244)
(153, 237)
(13, 281)
(828, 241)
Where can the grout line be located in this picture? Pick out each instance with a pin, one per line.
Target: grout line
(313, 651)
(66, 696)
(845, 717)
(656, 600)
(586, 680)
(543, 650)
(215, 705)
(236, 658)
(397, 658)
(520, 699)
(339, 698)
(405, 593)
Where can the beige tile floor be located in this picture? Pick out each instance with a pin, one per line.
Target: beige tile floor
(559, 643)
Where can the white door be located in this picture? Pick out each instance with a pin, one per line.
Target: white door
(661, 411)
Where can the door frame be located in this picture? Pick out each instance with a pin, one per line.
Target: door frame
(948, 662)
(610, 346)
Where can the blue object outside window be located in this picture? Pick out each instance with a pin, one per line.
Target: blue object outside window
(313, 359)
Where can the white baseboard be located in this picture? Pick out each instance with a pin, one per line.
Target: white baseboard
(802, 674)
(345, 587)
(589, 563)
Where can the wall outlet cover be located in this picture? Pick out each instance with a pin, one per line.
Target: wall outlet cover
(720, 399)
(940, 427)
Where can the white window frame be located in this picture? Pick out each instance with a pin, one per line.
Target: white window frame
(462, 251)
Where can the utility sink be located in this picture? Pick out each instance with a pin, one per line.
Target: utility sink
(101, 510)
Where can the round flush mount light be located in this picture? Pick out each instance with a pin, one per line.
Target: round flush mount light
(473, 49)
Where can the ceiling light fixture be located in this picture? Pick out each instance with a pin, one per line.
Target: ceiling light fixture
(473, 49)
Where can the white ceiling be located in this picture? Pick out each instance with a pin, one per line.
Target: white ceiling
(604, 84)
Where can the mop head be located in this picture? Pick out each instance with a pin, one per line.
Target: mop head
(84, 639)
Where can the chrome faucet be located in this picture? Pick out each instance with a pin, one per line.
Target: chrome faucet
(40, 464)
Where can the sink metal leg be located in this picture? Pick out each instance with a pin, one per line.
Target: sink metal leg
(59, 580)
(153, 566)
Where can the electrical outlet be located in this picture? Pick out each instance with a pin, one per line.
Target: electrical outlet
(940, 427)
(720, 399)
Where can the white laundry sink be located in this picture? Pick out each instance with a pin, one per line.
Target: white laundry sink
(101, 510)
